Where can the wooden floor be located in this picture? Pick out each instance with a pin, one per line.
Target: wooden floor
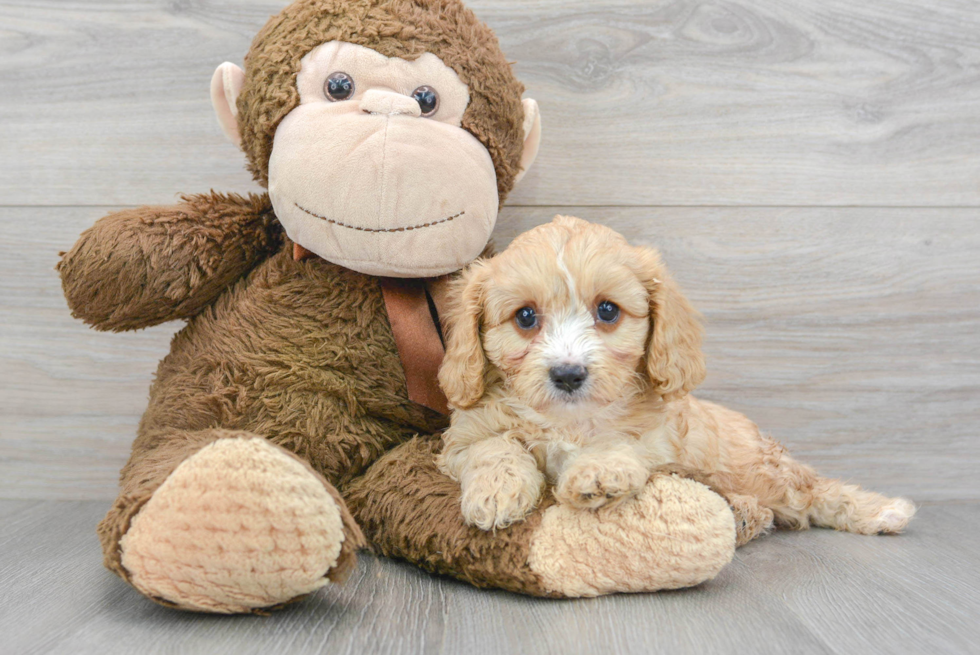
(816, 592)
(811, 172)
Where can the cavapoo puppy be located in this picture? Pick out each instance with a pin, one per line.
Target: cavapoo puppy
(569, 358)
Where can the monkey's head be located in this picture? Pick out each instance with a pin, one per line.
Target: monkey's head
(387, 131)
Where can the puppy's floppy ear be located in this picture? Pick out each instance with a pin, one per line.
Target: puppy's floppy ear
(461, 372)
(674, 360)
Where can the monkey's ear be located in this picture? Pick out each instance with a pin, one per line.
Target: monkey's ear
(226, 84)
(532, 136)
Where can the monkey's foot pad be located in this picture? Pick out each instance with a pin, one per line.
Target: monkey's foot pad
(239, 525)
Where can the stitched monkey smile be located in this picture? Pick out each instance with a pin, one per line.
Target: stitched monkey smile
(368, 229)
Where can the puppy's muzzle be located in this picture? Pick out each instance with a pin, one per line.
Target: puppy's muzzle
(568, 377)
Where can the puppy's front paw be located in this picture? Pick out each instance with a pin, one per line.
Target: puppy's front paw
(590, 483)
(499, 497)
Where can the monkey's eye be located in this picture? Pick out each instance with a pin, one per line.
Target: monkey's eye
(526, 318)
(339, 86)
(427, 98)
(607, 312)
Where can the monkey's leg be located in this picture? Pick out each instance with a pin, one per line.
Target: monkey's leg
(143, 266)
(225, 521)
(674, 533)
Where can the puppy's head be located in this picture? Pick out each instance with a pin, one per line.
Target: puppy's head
(571, 319)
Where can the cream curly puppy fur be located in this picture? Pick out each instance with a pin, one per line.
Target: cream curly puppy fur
(569, 360)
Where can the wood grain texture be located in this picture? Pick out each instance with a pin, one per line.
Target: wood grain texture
(645, 102)
(852, 335)
(814, 592)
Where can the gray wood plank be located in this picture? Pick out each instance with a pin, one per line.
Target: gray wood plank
(852, 335)
(813, 592)
(892, 592)
(674, 102)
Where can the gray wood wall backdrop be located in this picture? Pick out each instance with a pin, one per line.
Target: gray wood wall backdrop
(811, 171)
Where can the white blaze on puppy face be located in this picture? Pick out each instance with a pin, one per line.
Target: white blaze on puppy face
(568, 336)
(564, 276)
(370, 183)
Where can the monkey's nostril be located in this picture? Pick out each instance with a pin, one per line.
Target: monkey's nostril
(568, 377)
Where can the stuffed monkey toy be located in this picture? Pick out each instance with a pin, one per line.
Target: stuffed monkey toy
(297, 416)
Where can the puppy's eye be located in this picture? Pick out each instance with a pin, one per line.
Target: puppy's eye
(427, 98)
(607, 312)
(526, 318)
(339, 86)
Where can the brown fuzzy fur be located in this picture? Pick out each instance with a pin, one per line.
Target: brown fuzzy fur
(300, 353)
(395, 28)
(409, 510)
(149, 265)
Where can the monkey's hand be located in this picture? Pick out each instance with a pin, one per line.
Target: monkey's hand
(140, 267)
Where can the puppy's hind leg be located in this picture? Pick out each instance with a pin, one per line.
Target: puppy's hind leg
(809, 499)
(851, 508)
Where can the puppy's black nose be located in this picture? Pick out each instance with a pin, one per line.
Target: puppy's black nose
(568, 377)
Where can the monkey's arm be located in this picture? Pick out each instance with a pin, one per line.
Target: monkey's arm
(145, 266)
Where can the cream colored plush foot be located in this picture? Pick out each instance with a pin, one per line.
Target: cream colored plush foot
(238, 526)
(674, 533)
